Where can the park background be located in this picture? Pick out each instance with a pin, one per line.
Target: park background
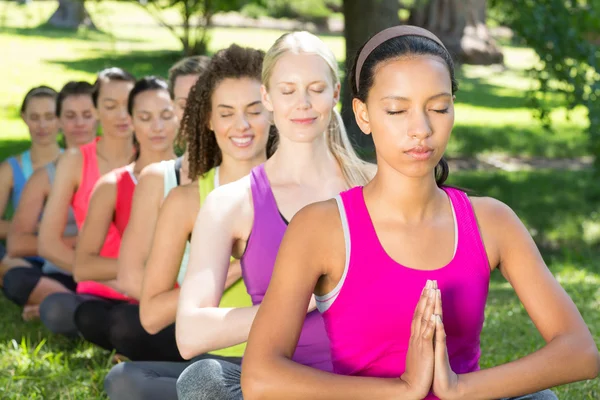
(527, 127)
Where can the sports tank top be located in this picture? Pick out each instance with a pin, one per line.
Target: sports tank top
(70, 228)
(21, 173)
(368, 314)
(258, 262)
(80, 202)
(126, 183)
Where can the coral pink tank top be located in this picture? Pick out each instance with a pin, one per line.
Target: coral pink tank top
(80, 202)
(126, 183)
(368, 315)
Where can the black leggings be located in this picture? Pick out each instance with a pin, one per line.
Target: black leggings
(117, 326)
(19, 282)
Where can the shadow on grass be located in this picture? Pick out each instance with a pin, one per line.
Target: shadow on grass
(139, 63)
(552, 204)
(48, 32)
(518, 140)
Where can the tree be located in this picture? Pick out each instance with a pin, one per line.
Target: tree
(461, 25)
(70, 14)
(196, 18)
(564, 34)
(363, 18)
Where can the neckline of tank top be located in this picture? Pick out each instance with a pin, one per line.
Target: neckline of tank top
(389, 257)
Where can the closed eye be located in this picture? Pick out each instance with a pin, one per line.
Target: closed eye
(395, 112)
(444, 111)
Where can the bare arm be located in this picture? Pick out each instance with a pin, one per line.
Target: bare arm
(51, 245)
(313, 247)
(137, 238)
(216, 229)
(6, 184)
(22, 237)
(158, 302)
(89, 265)
(570, 353)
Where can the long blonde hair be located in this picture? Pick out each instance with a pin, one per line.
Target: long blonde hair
(356, 171)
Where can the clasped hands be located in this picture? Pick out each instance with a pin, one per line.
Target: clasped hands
(427, 364)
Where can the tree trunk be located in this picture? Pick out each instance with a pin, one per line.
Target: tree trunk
(363, 18)
(461, 25)
(71, 14)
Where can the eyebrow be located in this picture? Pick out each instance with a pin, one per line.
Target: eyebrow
(248, 105)
(443, 94)
(294, 83)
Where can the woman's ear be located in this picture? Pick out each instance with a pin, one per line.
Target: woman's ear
(336, 93)
(361, 114)
(266, 99)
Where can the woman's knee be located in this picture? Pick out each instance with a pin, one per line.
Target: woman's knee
(19, 282)
(209, 379)
(57, 313)
(124, 381)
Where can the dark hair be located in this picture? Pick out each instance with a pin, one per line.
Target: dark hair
(143, 85)
(110, 74)
(233, 62)
(72, 88)
(37, 92)
(395, 48)
(194, 65)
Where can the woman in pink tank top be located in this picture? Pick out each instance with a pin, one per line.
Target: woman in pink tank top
(77, 172)
(393, 259)
(155, 125)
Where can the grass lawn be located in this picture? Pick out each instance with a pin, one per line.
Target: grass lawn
(491, 117)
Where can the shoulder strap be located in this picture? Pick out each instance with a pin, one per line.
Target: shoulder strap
(26, 164)
(206, 184)
(51, 171)
(469, 236)
(18, 177)
(177, 167)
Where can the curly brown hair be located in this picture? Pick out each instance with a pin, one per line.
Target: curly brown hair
(233, 62)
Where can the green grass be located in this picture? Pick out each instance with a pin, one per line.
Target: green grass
(491, 116)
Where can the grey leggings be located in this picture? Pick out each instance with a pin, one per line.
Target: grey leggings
(150, 380)
(220, 380)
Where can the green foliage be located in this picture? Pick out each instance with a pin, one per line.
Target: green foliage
(565, 34)
(195, 17)
(316, 11)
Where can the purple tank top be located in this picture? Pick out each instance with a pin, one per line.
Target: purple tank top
(258, 262)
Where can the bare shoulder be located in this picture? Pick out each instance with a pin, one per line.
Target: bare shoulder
(70, 162)
(185, 197)
(151, 180)
(39, 179)
(154, 170)
(319, 222)
(106, 187)
(492, 213)
(234, 197)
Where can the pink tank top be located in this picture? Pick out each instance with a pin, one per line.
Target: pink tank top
(80, 202)
(368, 315)
(126, 183)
